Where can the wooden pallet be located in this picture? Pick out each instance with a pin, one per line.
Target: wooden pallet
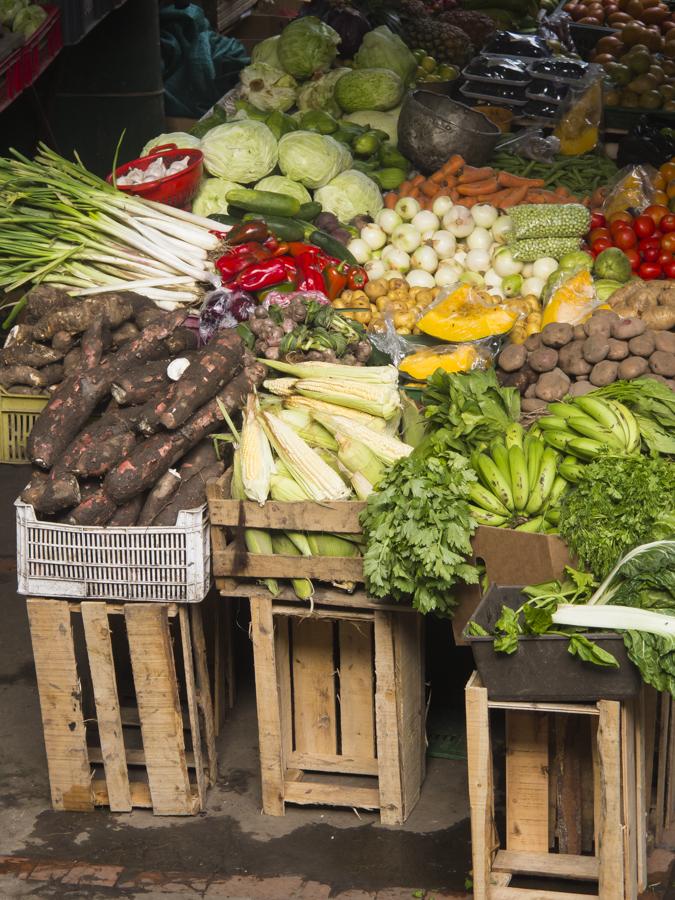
(539, 818)
(665, 774)
(340, 697)
(102, 751)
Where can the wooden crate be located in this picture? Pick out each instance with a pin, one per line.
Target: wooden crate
(543, 809)
(664, 831)
(101, 749)
(230, 517)
(340, 697)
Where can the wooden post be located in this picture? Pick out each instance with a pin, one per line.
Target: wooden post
(204, 689)
(611, 875)
(193, 707)
(357, 720)
(481, 800)
(527, 781)
(386, 719)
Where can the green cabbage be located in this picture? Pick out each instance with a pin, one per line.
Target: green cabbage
(267, 88)
(312, 159)
(318, 93)
(374, 118)
(211, 196)
(369, 89)
(266, 52)
(350, 194)
(306, 46)
(382, 49)
(181, 139)
(280, 185)
(9, 10)
(244, 151)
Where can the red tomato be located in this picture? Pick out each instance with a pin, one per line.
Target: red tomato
(634, 258)
(651, 254)
(669, 269)
(619, 225)
(668, 242)
(598, 220)
(664, 258)
(598, 234)
(600, 245)
(656, 212)
(649, 244)
(649, 271)
(625, 238)
(644, 226)
(667, 224)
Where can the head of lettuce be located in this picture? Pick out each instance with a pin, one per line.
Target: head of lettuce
(242, 151)
(306, 46)
(312, 159)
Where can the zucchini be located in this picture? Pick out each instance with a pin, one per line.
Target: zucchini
(309, 211)
(286, 229)
(331, 246)
(225, 219)
(264, 202)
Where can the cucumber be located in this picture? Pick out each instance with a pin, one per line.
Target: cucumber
(265, 202)
(331, 246)
(225, 219)
(309, 211)
(286, 229)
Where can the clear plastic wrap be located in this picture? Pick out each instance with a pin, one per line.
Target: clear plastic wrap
(464, 313)
(632, 189)
(532, 143)
(571, 297)
(580, 115)
(223, 308)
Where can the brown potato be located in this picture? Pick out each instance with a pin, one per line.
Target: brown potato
(661, 318)
(579, 333)
(604, 373)
(543, 360)
(642, 345)
(512, 357)
(532, 404)
(557, 334)
(571, 360)
(377, 288)
(596, 347)
(533, 342)
(599, 325)
(662, 363)
(625, 329)
(579, 388)
(632, 367)
(618, 350)
(665, 340)
(552, 385)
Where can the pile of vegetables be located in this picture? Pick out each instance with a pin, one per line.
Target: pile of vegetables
(22, 17)
(648, 241)
(581, 176)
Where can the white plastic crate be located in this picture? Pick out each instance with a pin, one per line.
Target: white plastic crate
(163, 564)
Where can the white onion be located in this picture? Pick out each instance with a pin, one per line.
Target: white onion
(527, 270)
(459, 221)
(472, 278)
(425, 220)
(388, 219)
(501, 229)
(504, 264)
(375, 269)
(406, 237)
(478, 260)
(398, 260)
(374, 236)
(420, 278)
(427, 236)
(407, 208)
(444, 244)
(484, 215)
(493, 282)
(544, 267)
(479, 239)
(359, 250)
(533, 286)
(391, 274)
(447, 273)
(460, 256)
(425, 258)
(442, 205)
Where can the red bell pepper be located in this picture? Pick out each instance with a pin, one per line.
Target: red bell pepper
(357, 278)
(267, 273)
(335, 278)
(239, 258)
(311, 274)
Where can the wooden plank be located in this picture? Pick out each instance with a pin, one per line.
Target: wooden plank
(662, 768)
(571, 709)
(357, 690)
(134, 756)
(324, 595)
(343, 765)
(510, 893)
(339, 516)
(527, 781)
(108, 717)
(306, 793)
(610, 838)
(409, 705)
(641, 815)
(60, 704)
(650, 698)
(481, 799)
(267, 703)
(631, 829)
(282, 654)
(552, 865)
(314, 698)
(587, 798)
(203, 692)
(159, 708)
(386, 722)
(117, 609)
(193, 707)
(260, 565)
(568, 784)
(317, 612)
(597, 785)
(139, 791)
(669, 820)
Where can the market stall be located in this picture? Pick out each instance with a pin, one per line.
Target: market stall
(387, 335)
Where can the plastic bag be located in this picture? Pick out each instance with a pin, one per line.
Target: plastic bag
(580, 117)
(532, 143)
(572, 298)
(223, 308)
(465, 313)
(284, 299)
(632, 189)
(424, 361)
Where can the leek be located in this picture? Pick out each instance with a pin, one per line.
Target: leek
(610, 618)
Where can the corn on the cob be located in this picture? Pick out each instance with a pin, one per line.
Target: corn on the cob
(309, 430)
(414, 426)
(257, 540)
(304, 464)
(334, 371)
(286, 490)
(362, 487)
(332, 409)
(376, 399)
(357, 457)
(323, 544)
(284, 546)
(387, 448)
(255, 455)
(280, 387)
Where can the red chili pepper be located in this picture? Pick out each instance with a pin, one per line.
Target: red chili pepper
(311, 274)
(357, 278)
(335, 278)
(239, 258)
(248, 231)
(281, 250)
(297, 248)
(267, 273)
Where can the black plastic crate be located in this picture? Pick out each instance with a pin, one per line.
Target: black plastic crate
(585, 37)
(542, 669)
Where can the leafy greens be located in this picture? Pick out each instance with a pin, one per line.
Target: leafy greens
(653, 404)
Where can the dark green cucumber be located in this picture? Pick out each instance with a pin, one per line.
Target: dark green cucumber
(309, 211)
(264, 202)
(225, 219)
(332, 247)
(286, 229)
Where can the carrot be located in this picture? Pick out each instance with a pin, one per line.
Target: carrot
(471, 174)
(418, 181)
(438, 177)
(518, 194)
(414, 193)
(454, 196)
(454, 165)
(390, 200)
(478, 188)
(506, 179)
(429, 189)
(561, 191)
(469, 201)
(497, 198)
(538, 196)
(404, 187)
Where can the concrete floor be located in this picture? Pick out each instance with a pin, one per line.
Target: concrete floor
(230, 851)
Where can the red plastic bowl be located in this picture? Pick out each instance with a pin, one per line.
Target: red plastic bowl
(174, 190)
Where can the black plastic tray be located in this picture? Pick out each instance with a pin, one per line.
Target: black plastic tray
(542, 669)
(620, 118)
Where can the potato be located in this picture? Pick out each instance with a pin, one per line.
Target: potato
(596, 347)
(579, 333)
(398, 295)
(571, 360)
(530, 392)
(654, 377)
(377, 288)
(625, 329)
(533, 342)
(543, 360)
(580, 388)
(425, 297)
(512, 357)
(557, 334)
(662, 363)
(661, 318)
(665, 340)
(532, 404)
(618, 350)
(642, 345)
(598, 325)
(552, 385)
(398, 284)
(632, 367)
(518, 380)
(604, 373)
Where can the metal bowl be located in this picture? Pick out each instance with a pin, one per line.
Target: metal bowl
(432, 127)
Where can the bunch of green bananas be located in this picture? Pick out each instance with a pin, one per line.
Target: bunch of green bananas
(519, 485)
(587, 426)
